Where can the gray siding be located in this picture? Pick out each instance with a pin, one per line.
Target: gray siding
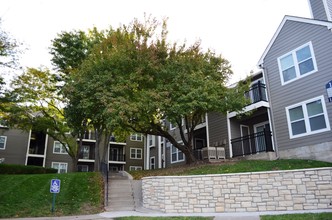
(217, 128)
(293, 35)
(52, 157)
(217, 125)
(329, 5)
(318, 10)
(134, 162)
(16, 146)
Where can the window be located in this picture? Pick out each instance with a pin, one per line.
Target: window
(135, 153)
(131, 168)
(61, 167)
(297, 64)
(152, 163)
(3, 123)
(85, 151)
(83, 168)
(176, 155)
(136, 137)
(308, 117)
(3, 140)
(59, 148)
(151, 140)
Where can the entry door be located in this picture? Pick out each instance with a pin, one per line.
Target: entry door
(260, 138)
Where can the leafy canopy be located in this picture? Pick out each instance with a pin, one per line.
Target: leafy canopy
(135, 79)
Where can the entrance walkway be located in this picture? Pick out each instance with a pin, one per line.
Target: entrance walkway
(120, 193)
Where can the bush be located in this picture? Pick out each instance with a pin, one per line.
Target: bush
(21, 169)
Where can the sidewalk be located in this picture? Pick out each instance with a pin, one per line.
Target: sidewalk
(217, 216)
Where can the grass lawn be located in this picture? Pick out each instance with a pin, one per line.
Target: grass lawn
(232, 167)
(29, 195)
(309, 216)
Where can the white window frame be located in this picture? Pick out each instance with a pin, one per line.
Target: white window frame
(136, 137)
(59, 165)
(152, 139)
(133, 168)
(84, 152)
(296, 63)
(172, 127)
(2, 125)
(152, 163)
(4, 143)
(306, 117)
(136, 153)
(62, 148)
(177, 151)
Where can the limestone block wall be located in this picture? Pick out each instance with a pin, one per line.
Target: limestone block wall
(307, 189)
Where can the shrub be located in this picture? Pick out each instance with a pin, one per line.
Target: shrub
(21, 169)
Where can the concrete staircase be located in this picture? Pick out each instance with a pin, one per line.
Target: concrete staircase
(120, 193)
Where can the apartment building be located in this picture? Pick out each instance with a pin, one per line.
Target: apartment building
(37, 148)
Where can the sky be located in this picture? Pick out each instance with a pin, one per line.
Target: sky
(239, 30)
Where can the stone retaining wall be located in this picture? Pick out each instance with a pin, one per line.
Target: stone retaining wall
(307, 189)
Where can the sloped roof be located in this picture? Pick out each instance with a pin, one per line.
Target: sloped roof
(292, 18)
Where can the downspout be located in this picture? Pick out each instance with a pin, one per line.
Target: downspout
(147, 148)
(207, 130)
(27, 154)
(45, 150)
(229, 136)
(159, 153)
(270, 114)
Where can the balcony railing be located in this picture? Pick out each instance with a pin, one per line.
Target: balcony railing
(252, 144)
(86, 155)
(257, 92)
(117, 157)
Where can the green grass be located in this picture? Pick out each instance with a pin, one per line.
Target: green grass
(166, 218)
(308, 216)
(29, 195)
(232, 167)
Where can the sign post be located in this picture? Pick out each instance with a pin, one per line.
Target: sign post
(54, 188)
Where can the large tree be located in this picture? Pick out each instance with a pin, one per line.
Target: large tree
(140, 80)
(8, 59)
(8, 49)
(69, 51)
(36, 103)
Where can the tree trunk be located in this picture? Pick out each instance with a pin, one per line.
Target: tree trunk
(190, 157)
(97, 157)
(106, 146)
(75, 162)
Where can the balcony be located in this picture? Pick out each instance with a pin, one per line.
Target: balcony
(252, 144)
(257, 96)
(117, 158)
(257, 93)
(87, 152)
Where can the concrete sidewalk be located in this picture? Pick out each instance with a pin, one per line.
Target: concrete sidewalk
(217, 216)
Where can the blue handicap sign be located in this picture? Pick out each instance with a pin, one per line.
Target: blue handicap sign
(55, 186)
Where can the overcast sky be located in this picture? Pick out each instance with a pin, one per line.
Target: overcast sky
(238, 29)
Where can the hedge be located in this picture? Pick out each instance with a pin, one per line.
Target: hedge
(21, 169)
